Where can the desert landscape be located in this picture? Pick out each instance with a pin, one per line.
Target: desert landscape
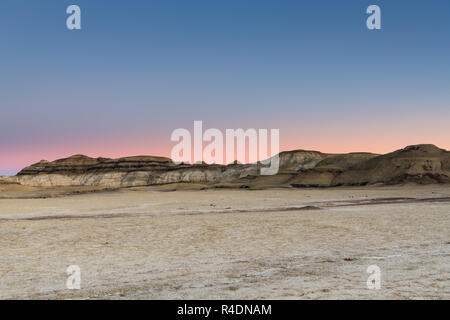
(144, 228)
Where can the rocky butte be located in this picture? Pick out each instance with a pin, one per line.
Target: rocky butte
(422, 164)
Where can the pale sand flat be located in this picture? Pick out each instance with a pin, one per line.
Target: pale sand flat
(234, 244)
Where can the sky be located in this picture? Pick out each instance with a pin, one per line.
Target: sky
(137, 70)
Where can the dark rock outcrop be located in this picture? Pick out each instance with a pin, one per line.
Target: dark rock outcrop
(422, 164)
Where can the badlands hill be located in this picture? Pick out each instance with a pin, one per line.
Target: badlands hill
(422, 164)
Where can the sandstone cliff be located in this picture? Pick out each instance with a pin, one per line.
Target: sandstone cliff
(300, 168)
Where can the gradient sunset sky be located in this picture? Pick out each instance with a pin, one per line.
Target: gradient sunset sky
(140, 69)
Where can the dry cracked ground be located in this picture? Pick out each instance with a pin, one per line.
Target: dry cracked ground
(229, 244)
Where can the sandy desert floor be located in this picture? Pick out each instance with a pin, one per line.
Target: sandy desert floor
(229, 244)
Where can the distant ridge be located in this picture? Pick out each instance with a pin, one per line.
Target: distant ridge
(422, 164)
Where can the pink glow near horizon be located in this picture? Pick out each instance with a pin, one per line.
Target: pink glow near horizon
(361, 135)
(15, 160)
